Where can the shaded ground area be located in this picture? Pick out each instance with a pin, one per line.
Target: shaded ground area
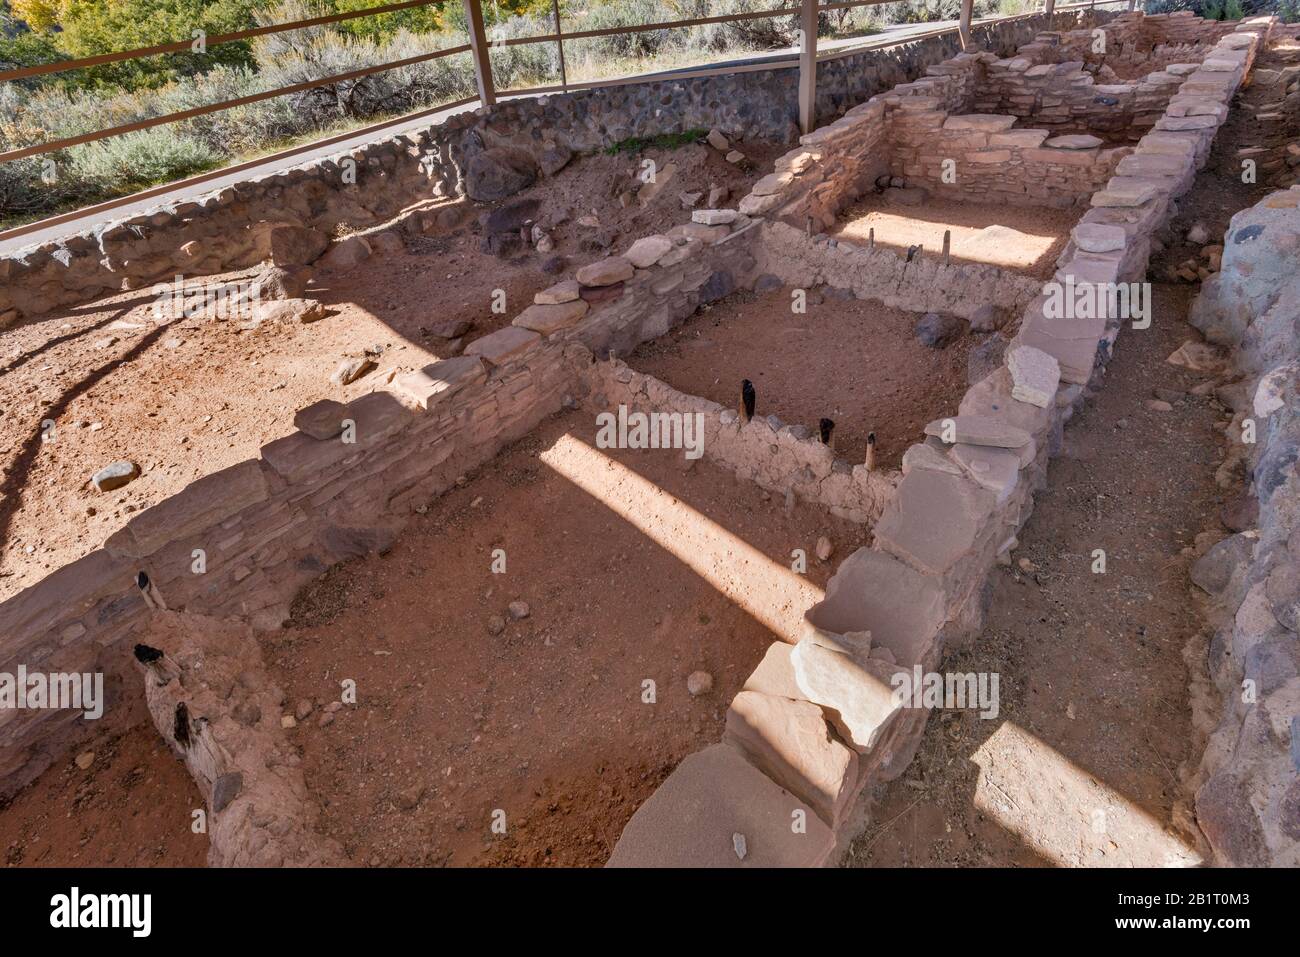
(542, 717)
(129, 808)
(856, 362)
(188, 397)
(1020, 239)
(1081, 766)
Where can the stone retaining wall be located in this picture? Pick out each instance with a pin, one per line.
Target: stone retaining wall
(816, 724)
(1248, 784)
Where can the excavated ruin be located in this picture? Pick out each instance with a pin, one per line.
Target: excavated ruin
(794, 476)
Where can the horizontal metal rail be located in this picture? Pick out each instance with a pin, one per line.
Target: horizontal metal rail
(558, 37)
(181, 46)
(176, 117)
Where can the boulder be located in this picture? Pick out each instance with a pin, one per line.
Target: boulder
(346, 254)
(293, 246)
(499, 172)
(938, 331)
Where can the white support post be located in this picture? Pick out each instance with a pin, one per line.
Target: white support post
(808, 66)
(1049, 7)
(963, 24)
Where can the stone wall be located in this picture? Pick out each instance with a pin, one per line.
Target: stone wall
(926, 284)
(910, 130)
(785, 459)
(817, 724)
(1248, 784)
(526, 137)
(1066, 98)
(324, 493)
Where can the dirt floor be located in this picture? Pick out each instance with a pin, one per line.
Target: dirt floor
(1094, 687)
(853, 361)
(1023, 240)
(540, 717)
(129, 808)
(185, 398)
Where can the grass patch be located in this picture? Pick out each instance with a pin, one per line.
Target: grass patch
(665, 141)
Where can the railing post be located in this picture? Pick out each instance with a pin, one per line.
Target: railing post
(808, 66)
(1048, 8)
(559, 44)
(487, 93)
(963, 24)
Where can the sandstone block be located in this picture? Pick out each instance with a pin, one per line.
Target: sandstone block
(790, 741)
(424, 386)
(713, 795)
(1036, 375)
(501, 346)
(551, 318)
(606, 272)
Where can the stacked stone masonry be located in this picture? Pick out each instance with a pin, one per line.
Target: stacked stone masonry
(1248, 785)
(269, 525)
(917, 591)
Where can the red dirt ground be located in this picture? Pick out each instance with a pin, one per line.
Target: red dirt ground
(856, 362)
(544, 720)
(130, 808)
(1039, 236)
(187, 398)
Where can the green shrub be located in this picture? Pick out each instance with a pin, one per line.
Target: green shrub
(140, 159)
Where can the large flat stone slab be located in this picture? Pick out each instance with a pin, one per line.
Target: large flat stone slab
(790, 741)
(858, 693)
(934, 520)
(994, 469)
(1126, 191)
(713, 795)
(872, 591)
(424, 387)
(1076, 357)
(501, 346)
(980, 123)
(546, 319)
(978, 430)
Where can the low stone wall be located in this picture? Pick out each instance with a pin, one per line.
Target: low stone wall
(785, 459)
(925, 284)
(1066, 98)
(818, 723)
(1248, 784)
(980, 158)
(1270, 135)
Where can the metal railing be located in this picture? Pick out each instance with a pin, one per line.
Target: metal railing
(479, 46)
